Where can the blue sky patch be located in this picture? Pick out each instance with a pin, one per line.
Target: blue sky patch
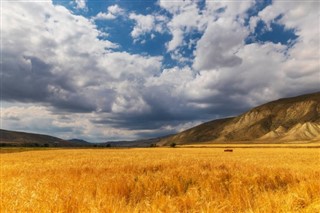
(277, 33)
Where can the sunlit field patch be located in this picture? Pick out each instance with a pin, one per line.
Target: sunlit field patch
(161, 180)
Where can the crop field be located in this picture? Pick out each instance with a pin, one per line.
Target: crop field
(161, 180)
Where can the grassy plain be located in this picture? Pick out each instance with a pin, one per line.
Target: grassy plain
(161, 180)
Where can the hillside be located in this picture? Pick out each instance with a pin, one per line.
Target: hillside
(136, 143)
(13, 138)
(283, 120)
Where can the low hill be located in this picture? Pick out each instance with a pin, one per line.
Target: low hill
(283, 120)
(14, 138)
(79, 141)
(136, 143)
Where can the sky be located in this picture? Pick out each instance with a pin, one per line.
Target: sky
(104, 70)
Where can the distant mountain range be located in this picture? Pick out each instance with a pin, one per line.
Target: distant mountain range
(283, 120)
(14, 138)
(24, 139)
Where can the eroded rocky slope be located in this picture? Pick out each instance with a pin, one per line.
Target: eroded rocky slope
(283, 120)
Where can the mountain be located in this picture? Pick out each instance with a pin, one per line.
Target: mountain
(13, 138)
(136, 143)
(79, 141)
(283, 120)
(18, 139)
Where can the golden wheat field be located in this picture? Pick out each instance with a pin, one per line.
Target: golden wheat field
(161, 180)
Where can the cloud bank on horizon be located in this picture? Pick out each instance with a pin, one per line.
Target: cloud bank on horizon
(113, 70)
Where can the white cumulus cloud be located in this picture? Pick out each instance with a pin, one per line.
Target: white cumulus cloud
(147, 24)
(81, 4)
(113, 12)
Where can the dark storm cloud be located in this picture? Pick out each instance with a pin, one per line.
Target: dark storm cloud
(25, 82)
(74, 104)
(31, 80)
(165, 111)
(145, 121)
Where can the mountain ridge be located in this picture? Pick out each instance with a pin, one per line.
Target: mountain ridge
(17, 138)
(283, 120)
